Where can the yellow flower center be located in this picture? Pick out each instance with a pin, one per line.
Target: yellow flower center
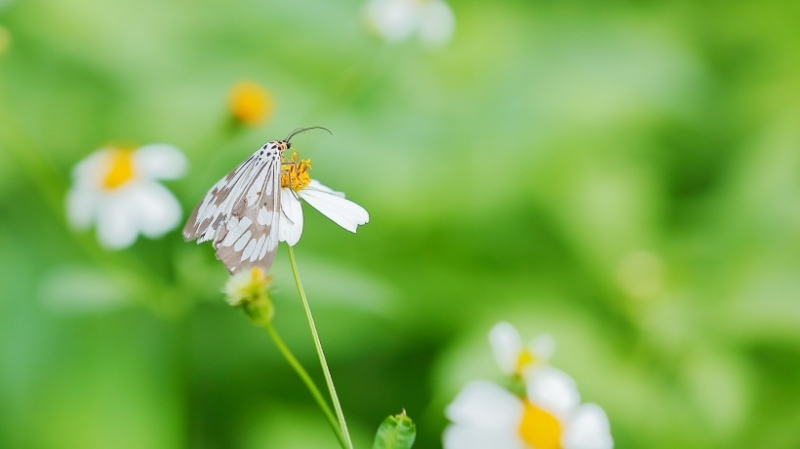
(258, 280)
(120, 169)
(539, 429)
(250, 103)
(524, 360)
(294, 174)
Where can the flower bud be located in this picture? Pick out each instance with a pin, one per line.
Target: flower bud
(248, 289)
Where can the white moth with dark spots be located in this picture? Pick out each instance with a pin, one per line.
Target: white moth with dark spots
(241, 212)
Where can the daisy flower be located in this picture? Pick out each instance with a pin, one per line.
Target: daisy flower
(513, 357)
(296, 183)
(550, 416)
(397, 20)
(116, 189)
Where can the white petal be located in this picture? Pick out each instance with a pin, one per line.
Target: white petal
(506, 345)
(90, 171)
(395, 20)
(552, 390)
(588, 429)
(316, 185)
(159, 161)
(484, 405)
(117, 221)
(543, 347)
(345, 213)
(436, 23)
(459, 436)
(81, 204)
(156, 207)
(290, 227)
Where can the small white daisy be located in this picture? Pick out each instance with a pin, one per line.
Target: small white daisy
(248, 289)
(115, 189)
(512, 355)
(550, 416)
(296, 183)
(397, 20)
(246, 286)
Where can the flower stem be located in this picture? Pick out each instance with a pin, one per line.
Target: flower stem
(320, 353)
(312, 387)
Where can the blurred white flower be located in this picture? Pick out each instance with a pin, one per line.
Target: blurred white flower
(512, 355)
(246, 286)
(397, 20)
(550, 416)
(248, 289)
(296, 183)
(115, 189)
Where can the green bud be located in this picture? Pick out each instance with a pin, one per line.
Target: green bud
(248, 289)
(396, 432)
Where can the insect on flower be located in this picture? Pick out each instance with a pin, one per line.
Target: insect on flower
(241, 212)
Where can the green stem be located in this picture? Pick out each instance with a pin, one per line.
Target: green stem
(320, 353)
(312, 387)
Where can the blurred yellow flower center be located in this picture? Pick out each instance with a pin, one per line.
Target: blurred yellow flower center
(539, 429)
(295, 174)
(120, 169)
(250, 103)
(257, 278)
(524, 360)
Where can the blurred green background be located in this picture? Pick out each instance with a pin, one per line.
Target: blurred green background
(622, 175)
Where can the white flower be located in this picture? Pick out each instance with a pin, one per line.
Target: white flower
(398, 20)
(115, 188)
(296, 184)
(246, 286)
(248, 289)
(332, 204)
(486, 416)
(515, 358)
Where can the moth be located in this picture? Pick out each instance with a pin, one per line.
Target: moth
(241, 212)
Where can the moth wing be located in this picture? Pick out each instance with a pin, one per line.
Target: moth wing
(249, 237)
(216, 206)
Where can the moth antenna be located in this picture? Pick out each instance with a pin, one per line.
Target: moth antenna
(300, 130)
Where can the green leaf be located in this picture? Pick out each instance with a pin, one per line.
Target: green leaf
(396, 432)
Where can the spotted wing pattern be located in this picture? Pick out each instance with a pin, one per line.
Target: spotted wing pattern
(241, 212)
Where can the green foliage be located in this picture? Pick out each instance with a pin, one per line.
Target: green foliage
(622, 175)
(396, 432)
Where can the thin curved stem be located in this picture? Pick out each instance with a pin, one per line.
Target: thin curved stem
(312, 387)
(334, 398)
